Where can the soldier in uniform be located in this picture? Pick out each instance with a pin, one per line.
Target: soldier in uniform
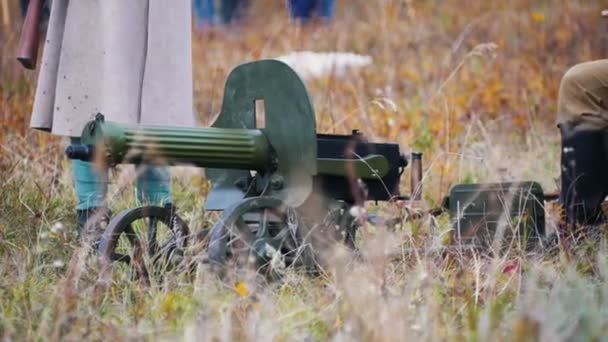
(582, 118)
(130, 61)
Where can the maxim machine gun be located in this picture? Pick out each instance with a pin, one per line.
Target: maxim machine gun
(285, 190)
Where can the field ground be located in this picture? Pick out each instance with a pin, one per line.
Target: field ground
(472, 84)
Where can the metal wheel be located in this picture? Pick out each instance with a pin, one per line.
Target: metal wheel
(259, 234)
(144, 241)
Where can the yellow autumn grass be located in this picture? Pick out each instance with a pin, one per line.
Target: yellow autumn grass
(472, 84)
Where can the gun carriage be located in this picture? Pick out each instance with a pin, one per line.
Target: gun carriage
(285, 191)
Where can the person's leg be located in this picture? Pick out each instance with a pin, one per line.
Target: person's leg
(584, 180)
(233, 10)
(91, 187)
(23, 4)
(153, 185)
(583, 96)
(301, 9)
(583, 120)
(326, 9)
(204, 12)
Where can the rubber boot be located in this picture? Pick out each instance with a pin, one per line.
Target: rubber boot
(91, 224)
(584, 166)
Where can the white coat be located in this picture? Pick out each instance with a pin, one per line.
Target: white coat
(130, 60)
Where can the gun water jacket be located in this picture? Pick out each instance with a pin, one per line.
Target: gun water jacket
(129, 60)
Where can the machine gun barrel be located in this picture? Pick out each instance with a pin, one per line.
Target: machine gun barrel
(339, 159)
(230, 148)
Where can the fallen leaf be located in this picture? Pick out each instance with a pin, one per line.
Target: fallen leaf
(241, 289)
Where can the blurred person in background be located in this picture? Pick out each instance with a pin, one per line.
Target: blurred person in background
(304, 10)
(204, 13)
(233, 10)
(230, 11)
(130, 61)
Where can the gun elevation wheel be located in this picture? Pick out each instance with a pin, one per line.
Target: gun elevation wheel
(259, 234)
(143, 240)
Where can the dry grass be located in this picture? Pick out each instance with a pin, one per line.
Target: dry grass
(473, 84)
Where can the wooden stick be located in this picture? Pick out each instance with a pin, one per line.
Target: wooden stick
(27, 51)
(6, 17)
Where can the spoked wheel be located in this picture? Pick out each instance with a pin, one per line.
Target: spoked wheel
(259, 234)
(144, 241)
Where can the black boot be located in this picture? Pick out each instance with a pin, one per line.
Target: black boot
(152, 224)
(584, 174)
(171, 209)
(91, 224)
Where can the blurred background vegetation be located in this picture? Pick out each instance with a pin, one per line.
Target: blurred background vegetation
(430, 81)
(472, 84)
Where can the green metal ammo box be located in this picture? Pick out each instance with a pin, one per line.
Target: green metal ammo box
(481, 213)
